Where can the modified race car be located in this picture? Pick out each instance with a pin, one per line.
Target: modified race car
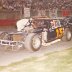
(32, 33)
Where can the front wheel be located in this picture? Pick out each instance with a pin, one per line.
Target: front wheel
(33, 42)
(67, 35)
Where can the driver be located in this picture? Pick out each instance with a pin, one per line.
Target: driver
(22, 23)
(53, 24)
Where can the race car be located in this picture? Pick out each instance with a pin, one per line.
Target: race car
(44, 29)
(32, 34)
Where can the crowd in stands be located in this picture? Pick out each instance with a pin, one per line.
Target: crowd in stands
(45, 4)
(63, 5)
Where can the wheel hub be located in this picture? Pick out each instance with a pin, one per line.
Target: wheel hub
(36, 42)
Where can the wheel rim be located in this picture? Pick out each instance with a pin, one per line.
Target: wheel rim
(36, 43)
(69, 35)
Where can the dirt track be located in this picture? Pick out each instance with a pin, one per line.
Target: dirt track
(8, 57)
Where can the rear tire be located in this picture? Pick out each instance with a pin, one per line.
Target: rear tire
(32, 42)
(4, 36)
(67, 35)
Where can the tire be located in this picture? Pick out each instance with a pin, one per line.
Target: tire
(4, 36)
(67, 35)
(29, 42)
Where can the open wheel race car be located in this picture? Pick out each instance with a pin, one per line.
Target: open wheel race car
(38, 30)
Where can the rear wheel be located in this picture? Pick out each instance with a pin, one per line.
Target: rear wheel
(67, 35)
(4, 36)
(33, 42)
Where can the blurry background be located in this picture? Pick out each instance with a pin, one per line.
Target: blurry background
(12, 10)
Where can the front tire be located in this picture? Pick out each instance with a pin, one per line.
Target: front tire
(32, 42)
(67, 35)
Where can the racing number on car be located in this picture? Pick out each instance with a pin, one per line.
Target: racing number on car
(59, 32)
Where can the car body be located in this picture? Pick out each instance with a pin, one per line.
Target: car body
(53, 27)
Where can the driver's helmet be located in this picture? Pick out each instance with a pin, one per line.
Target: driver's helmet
(30, 20)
